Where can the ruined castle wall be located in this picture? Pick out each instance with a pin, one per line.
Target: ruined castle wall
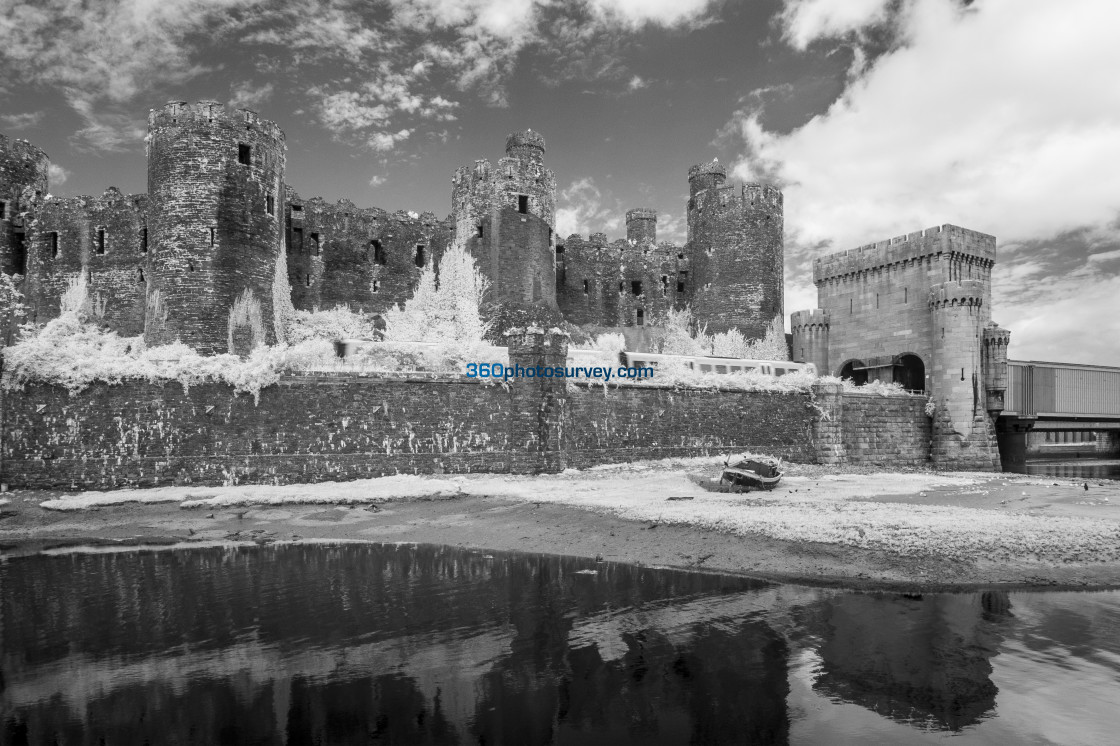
(876, 295)
(610, 271)
(737, 257)
(102, 238)
(216, 224)
(22, 167)
(364, 258)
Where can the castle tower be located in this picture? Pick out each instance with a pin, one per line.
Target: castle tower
(994, 364)
(23, 168)
(963, 435)
(810, 338)
(505, 217)
(736, 253)
(641, 226)
(215, 219)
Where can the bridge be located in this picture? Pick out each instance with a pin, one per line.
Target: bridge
(1056, 409)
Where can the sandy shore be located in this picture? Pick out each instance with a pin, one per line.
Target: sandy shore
(857, 528)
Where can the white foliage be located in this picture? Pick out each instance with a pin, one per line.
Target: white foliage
(444, 309)
(337, 323)
(245, 314)
(12, 309)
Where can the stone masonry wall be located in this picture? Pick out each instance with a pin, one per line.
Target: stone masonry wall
(891, 430)
(629, 423)
(306, 429)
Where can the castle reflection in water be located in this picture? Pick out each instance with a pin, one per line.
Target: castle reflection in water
(404, 644)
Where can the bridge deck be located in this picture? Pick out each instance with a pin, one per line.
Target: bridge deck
(1063, 391)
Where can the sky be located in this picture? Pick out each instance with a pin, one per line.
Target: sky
(875, 117)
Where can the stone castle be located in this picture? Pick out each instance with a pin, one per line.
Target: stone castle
(221, 244)
(221, 247)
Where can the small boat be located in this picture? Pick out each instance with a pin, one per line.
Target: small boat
(754, 473)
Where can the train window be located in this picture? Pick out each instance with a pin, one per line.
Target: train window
(721, 369)
(705, 368)
(736, 369)
(780, 371)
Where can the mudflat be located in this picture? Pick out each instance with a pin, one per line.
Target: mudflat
(856, 528)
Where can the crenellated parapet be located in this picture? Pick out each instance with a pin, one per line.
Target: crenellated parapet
(23, 180)
(957, 293)
(966, 248)
(810, 330)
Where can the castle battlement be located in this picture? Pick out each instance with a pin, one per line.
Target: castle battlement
(956, 293)
(212, 113)
(972, 246)
(816, 318)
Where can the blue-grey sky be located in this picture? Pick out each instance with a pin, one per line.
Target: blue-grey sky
(876, 117)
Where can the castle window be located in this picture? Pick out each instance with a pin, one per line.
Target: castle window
(523, 203)
(585, 287)
(682, 279)
(297, 241)
(559, 248)
(851, 306)
(308, 280)
(244, 154)
(3, 210)
(100, 240)
(636, 287)
(213, 236)
(419, 258)
(680, 256)
(876, 300)
(270, 204)
(376, 287)
(664, 285)
(52, 238)
(905, 295)
(297, 211)
(378, 251)
(19, 254)
(315, 244)
(639, 317)
(143, 240)
(621, 287)
(480, 230)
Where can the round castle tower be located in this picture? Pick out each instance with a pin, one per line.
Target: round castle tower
(735, 247)
(504, 217)
(23, 168)
(215, 222)
(641, 226)
(962, 432)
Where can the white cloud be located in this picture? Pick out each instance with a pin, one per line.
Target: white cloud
(637, 83)
(57, 175)
(1003, 117)
(385, 141)
(21, 121)
(659, 12)
(805, 21)
(580, 209)
(377, 180)
(246, 95)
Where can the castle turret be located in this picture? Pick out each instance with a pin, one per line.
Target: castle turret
(963, 435)
(215, 227)
(810, 338)
(505, 217)
(735, 249)
(994, 364)
(641, 226)
(23, 174)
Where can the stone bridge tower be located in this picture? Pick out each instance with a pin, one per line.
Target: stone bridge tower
(215, 219)
(505, 217)
(23, 178)
(963, 433)
(736, 252)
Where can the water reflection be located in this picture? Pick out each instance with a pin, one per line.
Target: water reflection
(434, 645)
(1070, 468)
